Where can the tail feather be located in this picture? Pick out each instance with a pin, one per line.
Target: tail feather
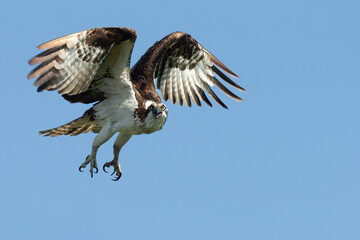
(82, 124)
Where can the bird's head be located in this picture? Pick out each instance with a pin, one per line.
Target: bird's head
(156, 115)
(157, 110)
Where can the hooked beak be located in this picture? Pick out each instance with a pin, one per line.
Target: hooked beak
(157, 112)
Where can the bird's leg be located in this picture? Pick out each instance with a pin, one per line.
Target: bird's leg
(104, 135)
(120, 141)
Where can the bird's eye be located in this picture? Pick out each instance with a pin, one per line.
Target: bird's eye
(151, 107)
(162, 107)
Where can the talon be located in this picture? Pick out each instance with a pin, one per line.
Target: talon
(117, 170)
(106, 165)
(93, 165)
(117, 178)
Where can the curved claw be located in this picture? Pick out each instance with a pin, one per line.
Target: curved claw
(97, 170)
(80, 169)
(116, 167)
(92, 175)
(106, 166)
(117, 178)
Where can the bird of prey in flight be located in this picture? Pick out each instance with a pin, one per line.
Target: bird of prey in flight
(93, 66)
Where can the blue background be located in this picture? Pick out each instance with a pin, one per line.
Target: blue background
(283, 164)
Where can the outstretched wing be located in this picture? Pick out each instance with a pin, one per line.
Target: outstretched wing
(186, 69)
(81, 65)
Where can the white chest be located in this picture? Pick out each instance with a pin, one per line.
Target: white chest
(119, 113)
(149, 125)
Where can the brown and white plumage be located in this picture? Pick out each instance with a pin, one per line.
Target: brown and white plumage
(186, 70)
(93, 66)
(76, 63)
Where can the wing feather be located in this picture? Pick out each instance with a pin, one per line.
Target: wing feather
(225, 89)
(217, 62)
(164, 83)
(70, 64)
(62, 40)
(48, 54)
(193, 88)
(170, 87)
(44, 67)
(186, 88)
(227, 79)
(186, 69)
(178, 86)
(213, 95)
(202, 95)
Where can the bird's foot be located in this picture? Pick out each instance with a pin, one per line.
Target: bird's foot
(116, 166)
(93, 165)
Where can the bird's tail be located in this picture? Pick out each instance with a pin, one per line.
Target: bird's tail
(83, 124)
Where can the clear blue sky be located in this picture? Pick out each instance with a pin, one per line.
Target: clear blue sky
(283, 164)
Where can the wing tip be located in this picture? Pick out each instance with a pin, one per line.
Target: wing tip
(59, 41)
(231, 73)
(47, 45)
(241, 89)
(32, 61)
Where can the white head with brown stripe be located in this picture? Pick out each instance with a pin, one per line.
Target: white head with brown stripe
(153, 116)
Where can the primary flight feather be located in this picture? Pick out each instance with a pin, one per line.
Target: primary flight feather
(93, 66)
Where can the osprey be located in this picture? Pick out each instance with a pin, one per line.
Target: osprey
(93, 66)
